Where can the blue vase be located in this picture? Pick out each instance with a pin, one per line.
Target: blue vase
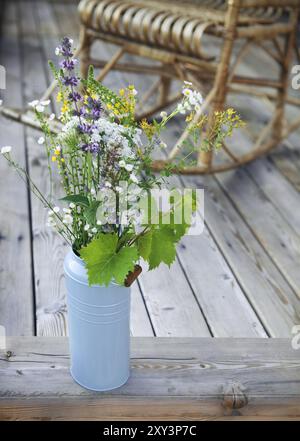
(99, 329)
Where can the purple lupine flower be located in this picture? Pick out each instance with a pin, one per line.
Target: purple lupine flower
(75, 96)
(70, 81)
(85, 128)
(95, 108)
(92, 147)
(65, 48)
(79, 112)
(68, 64)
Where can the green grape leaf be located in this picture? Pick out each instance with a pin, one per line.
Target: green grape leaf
(90, 212)
(77, 199)
(144, 245)
(162, 247)
(104, 264)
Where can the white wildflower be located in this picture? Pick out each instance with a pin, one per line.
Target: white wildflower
(94, 230)
(5, 149)
(71, 40)
(67, 210)
(72, 205)
(99, 222)
(187, 92)
(163, 115)
(107, 184)
(78, 209)
(56, 209)
(40, 108)
(181, 109)
(86, 227)
(33, 103)
(134, 178)
(128, 167)
(119, 189)
(57, 51)
(67, 219)
(52, 117)
(45, 102)
(41, 140)
(188, 83)
(93, 191)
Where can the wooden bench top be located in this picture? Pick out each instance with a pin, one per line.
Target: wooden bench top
(171, 378)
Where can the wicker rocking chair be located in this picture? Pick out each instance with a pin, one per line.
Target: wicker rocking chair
(173, 32)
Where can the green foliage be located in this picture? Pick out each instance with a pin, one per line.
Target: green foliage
(104, 263)
(90, 212)
(144, 243)
(78, 199)
(162, 247)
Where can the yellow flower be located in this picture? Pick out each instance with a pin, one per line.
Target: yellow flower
(122, 92)
(57, 152)
(65, 107)
(59, 97)
(53, 158)
(189, 117)
(131, 87)
(148, 128)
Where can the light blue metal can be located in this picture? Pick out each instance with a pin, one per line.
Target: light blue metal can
(99, 329)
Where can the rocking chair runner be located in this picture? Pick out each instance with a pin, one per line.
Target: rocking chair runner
(172, 33)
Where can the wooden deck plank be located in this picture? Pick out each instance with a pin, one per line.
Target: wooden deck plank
(216, 287)
(171, 378)
(171, 304)
(48, 248)
(274, 233)
(273, 300)
(287, 159)
(16, 287)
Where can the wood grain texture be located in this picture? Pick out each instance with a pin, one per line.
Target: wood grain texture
(216, 287)
(171, 378)
(266, 289)
(48, 247)
(16, 286)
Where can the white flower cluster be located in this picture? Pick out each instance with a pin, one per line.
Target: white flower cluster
(116, 136)
(54, 219)
(5, 149)
(111, 134)
(39, 106)
(192, 99)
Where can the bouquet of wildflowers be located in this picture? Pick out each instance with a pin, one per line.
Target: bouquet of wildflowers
(103, 156)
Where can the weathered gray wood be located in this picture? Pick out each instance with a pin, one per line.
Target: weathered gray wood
(48, 248)
(171, 304)
(171, 378)
(274, 301)
(287, 160)
(16, 291)
(215, 285)
(274, 233)
(140, 322)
